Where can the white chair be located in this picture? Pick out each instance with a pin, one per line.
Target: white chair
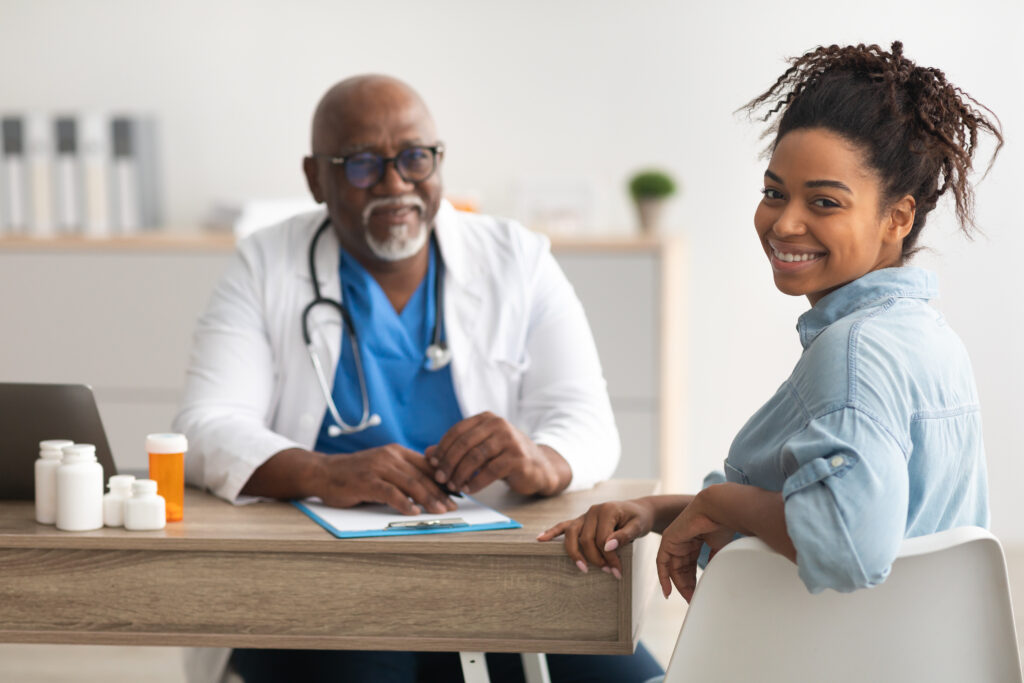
(944, 614)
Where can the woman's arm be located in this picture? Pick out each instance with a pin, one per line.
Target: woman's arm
(714, 516)
(751, 511)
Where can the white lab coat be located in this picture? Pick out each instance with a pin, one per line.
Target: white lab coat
(521, 347)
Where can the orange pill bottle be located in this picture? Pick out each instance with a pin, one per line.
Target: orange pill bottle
(167, 469)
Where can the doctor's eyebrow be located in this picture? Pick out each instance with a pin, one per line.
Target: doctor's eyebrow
(813, 183)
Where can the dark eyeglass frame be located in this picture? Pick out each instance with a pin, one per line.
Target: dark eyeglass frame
(435, 152)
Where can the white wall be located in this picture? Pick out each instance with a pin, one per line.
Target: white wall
(557, 90)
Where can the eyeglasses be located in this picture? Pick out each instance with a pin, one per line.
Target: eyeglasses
(366, 169)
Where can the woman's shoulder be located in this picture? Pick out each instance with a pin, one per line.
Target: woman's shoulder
(901, 353)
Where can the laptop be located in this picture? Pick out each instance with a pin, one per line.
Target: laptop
(30, 413)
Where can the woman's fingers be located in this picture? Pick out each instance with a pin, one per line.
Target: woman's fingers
(555, 531)
(588, 537)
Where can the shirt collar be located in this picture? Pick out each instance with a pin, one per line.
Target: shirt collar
(452, 248)
(869, 290)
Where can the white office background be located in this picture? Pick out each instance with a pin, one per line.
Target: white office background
(564, 94)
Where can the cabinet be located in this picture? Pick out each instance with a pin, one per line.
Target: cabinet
(118, 314)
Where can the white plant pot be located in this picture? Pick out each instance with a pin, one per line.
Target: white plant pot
(650, 212)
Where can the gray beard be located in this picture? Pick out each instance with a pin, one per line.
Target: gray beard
(398, 246)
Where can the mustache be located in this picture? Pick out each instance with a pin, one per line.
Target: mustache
(408, 200)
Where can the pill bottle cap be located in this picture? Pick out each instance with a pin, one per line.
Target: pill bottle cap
(166, 443)
(141, 487)
(79, 452)
(48, 448)
(121, 483)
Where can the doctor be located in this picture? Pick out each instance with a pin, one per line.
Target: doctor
(388, 348)
(522, 398)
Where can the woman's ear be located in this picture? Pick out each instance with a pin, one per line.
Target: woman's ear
(901, 215)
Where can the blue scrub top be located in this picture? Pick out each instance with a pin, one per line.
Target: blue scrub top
(416, 405)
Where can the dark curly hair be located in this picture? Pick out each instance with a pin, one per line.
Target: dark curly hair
(919, 131)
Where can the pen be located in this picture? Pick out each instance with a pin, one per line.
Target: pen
(449, 492)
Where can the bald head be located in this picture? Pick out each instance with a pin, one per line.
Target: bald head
(356, 103)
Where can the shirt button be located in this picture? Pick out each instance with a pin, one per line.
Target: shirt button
(836, 460)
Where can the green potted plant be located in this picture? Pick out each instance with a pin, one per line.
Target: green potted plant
(649, 190)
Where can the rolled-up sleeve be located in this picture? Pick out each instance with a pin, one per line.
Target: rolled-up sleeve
(846, 500)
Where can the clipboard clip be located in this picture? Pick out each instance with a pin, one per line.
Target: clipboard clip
(426, 524)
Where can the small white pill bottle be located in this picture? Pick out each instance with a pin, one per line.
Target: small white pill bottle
(144, 510)
(50, 455)
(79, 489)
(120, 486)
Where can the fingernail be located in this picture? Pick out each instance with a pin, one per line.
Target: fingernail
(606, 569)
(465, 489)
(433, 461)
(612, 544)
(582, 565)
(440, 476)
(617, 574)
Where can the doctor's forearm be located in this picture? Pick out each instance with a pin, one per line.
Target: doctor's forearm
(559, 472)
(291, 473)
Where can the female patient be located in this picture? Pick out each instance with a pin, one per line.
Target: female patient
(876, 435)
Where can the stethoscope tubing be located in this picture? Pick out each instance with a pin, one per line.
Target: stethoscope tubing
(438, 354)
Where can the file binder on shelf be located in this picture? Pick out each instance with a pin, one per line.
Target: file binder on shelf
(135, 175)
(67, 177)
(14, 188)
(381, 520)
(96, 152)
(39, 136)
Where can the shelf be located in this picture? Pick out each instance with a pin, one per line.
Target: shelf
(193, 241)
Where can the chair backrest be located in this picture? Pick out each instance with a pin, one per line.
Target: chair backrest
(943, 614)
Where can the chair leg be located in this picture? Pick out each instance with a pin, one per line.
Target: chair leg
(535, 667)
(474, 667)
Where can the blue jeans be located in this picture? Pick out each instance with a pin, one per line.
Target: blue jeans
(266, 666)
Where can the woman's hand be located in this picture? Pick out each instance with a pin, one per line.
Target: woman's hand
(681, 543)
(596, 535)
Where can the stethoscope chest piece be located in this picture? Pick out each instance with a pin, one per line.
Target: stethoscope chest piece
(438, 356)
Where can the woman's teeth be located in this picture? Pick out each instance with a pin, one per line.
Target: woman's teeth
(790, 258)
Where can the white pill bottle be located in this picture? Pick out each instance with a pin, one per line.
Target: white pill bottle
(144, 510)
(50, 455)
(79, 489)
(120, 486)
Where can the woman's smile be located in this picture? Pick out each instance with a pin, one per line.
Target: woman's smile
(791, 257)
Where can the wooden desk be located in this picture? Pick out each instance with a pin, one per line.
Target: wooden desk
(267, 576)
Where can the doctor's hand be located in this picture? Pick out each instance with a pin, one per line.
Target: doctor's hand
(681, 543)
(484, 448)
(596, 535)
(389, 474)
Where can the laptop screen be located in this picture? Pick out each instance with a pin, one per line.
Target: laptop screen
(30, 413)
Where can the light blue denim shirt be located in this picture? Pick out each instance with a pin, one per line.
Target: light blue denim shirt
(875, 437)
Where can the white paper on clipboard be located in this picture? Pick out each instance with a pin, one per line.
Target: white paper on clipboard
(381, 520)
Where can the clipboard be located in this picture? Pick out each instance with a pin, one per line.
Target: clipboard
(382, 520)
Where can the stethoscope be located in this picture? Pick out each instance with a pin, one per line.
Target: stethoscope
(438, 354)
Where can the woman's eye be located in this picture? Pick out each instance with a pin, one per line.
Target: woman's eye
(771, 193)
(826, 203)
